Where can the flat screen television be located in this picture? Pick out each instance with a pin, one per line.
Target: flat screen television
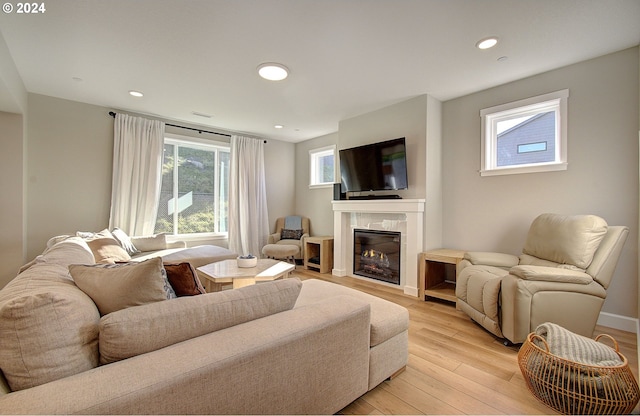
(374, 167)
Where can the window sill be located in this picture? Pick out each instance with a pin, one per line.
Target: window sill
(197, 238)
(322, 185)
(525, 169)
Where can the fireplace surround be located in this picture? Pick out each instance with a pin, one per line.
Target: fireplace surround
(405, 216)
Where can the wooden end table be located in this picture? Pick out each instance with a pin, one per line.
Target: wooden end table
(432, 279)
(224, 272)
(320, 248)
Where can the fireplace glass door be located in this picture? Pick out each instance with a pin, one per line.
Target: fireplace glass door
(376, 255)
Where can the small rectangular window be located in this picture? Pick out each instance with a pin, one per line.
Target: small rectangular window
(322, 166)
(532, 147)
(525, 136)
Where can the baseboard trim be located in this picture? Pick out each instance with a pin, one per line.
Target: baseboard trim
(623, 323)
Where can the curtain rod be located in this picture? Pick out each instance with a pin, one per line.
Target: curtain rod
(113, 114)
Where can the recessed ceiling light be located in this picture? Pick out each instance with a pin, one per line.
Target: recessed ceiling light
(487, 43)
(278, 126)
(273, 71)
(136, 93)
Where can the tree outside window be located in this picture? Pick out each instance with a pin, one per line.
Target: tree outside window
(194, 193)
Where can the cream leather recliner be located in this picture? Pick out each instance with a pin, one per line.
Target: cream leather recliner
(561, 276)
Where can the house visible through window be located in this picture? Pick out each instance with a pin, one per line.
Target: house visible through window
(525, 136)
(322, 166)
(195, 182)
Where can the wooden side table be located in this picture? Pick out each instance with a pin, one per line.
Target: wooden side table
(432, 280)
(318, 253)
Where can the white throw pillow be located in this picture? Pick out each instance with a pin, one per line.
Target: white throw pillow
(125, 241)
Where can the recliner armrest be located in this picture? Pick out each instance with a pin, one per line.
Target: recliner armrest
(551, 274)
(491, 259)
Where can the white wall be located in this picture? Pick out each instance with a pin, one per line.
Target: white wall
(13, 118)
(13, 94)
(418, 119)
(69, 158)
(406, 119)
(11, 207)
(279, 161)
(494, 213)
(314, 203)
(70, 154)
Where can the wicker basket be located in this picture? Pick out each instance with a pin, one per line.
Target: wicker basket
(570, 387)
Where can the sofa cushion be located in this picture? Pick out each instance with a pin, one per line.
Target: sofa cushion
(565, 239)
(135, 331)
(118, 286)
(387, 318)
(106, 249)
(150, 242)
(48, 327)
(184, 279)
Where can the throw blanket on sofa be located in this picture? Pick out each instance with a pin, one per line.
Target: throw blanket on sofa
(565, 344)
(293, 222)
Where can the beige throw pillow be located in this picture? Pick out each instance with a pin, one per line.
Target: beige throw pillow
(106, 249)
(135, 331)
(120, 286)
(48, 327)
(150, 242)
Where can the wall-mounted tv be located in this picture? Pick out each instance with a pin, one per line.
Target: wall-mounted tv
(374, 167)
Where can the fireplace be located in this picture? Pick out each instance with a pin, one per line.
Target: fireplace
(399, 215)
(376, 254)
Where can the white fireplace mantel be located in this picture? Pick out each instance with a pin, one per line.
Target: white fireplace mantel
(412, 236)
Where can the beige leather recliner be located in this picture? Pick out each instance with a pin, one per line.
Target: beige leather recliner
(561, 276)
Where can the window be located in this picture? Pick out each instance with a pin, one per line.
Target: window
(195, 181)
(322, 167)
(525, 136)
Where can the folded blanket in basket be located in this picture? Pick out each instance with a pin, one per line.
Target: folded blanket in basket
(565, 344)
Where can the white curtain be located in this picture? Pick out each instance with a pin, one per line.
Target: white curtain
(138, 144)
(248, 217)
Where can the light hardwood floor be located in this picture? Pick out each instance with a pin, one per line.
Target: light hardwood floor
(455, 366)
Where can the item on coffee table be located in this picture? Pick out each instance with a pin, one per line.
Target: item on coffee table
(247, 261)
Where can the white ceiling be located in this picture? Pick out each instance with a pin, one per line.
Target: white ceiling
(347, 57)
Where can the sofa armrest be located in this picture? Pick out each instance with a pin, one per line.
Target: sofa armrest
(551, 274)
(491, 259)
(324, 347)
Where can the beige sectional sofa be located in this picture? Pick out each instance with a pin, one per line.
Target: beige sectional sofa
(282, 347)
